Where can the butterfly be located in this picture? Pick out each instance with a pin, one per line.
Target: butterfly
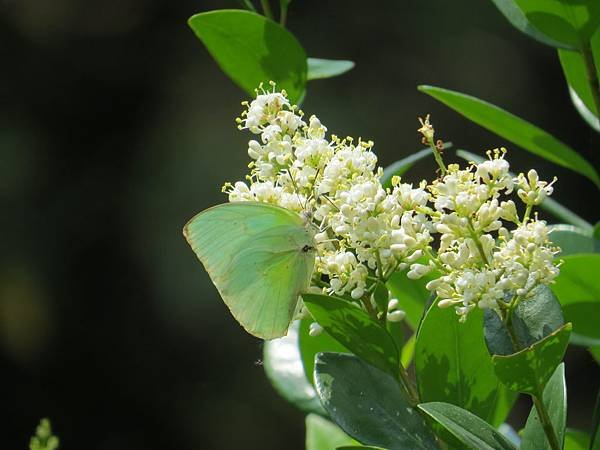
(260, 257)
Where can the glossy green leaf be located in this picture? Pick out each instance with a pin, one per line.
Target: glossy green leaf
(573, 240)
(252, 49)
(528, 370)
(284, 368)
(400, 167)
(497, 336)
(555, 401)
(549, 204)
(381, 296)
(327, 68)
(595, 352)
(469, 429)
(576, 440)
(578, 291)
(583, 110)
(520, 132)
(355, 330)
(311, 345)
(518, 20)
(570, 22)
(369, 404)
(534, 318)
(575, 73)
(411, 294)
(352, 447)
(396, 331)
(452, 364)
(321, 434)
(577, 77)
(408, 351)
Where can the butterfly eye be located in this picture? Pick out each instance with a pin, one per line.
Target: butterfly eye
(307, 248)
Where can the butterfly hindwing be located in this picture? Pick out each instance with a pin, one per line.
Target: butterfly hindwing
(260, 259)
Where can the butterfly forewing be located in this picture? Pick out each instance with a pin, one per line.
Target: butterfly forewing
(256, 255)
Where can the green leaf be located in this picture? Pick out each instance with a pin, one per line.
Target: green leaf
(583, 111)
(327, 68)
(550, 205)
(576, 440)
(577, 77)
(252, 49)
(408, 351)
(311, 345)
(566, 21)
(574, 69)
(452, 363)
(350, 447)
(507, 125)
(381, 296)
(284, 368)
(595, 352)
(518, 20)
(469, 429)
(573, 240)
(555, 401)
(529, 369)
(321, 434)
(369, 404)
(400, 167)
(411, 294)
(579, 294)
(355, 330)
(534, 318)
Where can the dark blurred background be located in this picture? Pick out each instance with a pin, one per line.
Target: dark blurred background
(116, 127)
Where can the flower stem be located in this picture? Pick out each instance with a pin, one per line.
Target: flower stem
(527, 214)
(506, 320)
(438, 156)
(266, 7)
(410, 389)
(475, 238)
(545, 421)
(283, 13)
(592, 75)
(367, 302)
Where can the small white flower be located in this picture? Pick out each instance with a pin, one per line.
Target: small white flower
(395, 316)
(314, 329)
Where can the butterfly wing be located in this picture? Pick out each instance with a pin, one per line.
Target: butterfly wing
(256, 255)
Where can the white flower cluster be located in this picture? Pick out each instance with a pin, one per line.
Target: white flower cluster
(363, 229)
(486, 254)
(481, 262)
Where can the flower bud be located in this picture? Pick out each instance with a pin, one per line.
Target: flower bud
(395, 316)
(315, 329)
